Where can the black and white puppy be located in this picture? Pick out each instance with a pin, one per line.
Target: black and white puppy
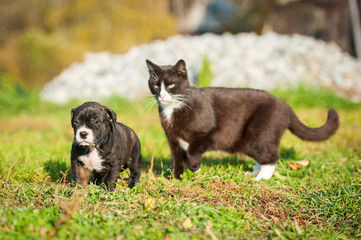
(102, 146)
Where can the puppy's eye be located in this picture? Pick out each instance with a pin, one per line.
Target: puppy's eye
(76, 121)
(96, 121)
(171, 86)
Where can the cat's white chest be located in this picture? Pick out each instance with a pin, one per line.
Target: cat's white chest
(183, 144)
(168, 110)
(168, 103)
(92, 161)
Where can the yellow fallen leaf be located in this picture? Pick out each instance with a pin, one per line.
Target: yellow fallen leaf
(277, 174)
(342, 160)
(187, 224)
(279, 234)
(298, 164)
(293, 165)
(303, 163)
(298, 229)
(209, 226)
(150, 203)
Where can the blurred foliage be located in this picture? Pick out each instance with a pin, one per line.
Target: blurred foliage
(39, 38)
(14, 98)
(307, 96)
(205, 75)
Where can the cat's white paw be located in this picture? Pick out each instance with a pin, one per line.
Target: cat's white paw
(266, 171)
(197, 170)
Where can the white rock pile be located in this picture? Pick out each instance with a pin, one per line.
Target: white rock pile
(242, 60)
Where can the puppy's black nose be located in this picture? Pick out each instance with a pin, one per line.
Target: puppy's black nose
(83, 134)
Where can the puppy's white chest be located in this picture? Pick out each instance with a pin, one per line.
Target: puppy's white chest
(92, 161)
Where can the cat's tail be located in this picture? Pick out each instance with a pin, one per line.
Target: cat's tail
(315, 134)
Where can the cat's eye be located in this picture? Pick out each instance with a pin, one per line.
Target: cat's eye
(171, 86)
(156, 87)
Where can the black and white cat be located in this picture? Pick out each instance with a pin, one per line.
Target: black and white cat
(249, 121)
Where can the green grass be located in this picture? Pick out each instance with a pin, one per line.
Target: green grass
(205, 75)
(319, 201)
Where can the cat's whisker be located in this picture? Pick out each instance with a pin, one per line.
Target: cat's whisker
(187, 106)
(150, 107)
(152, 101)
(185, 101)
(150, 104)
(150, 96)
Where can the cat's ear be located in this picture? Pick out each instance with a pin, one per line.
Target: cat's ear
(180, 67)
(153, 68)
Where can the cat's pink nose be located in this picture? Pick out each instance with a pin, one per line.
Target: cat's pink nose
(162, 96)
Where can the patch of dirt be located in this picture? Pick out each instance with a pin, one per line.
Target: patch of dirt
(25, 123)
(260, 201)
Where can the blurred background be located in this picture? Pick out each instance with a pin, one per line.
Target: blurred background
(40, 38)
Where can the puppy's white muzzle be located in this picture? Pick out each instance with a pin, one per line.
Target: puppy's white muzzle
(84, 136)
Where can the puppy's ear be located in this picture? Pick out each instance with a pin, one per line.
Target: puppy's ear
(72, 115)
(112, 115)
